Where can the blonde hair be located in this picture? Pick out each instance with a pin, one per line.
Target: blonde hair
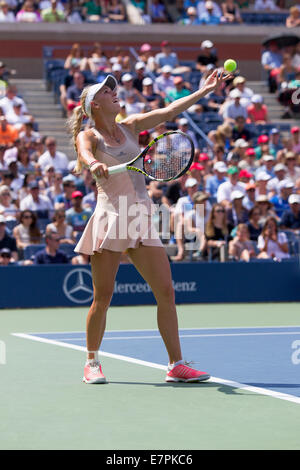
(75, 124)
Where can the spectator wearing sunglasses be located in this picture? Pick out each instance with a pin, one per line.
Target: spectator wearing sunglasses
(5, 257)
(51, 253)
(27, 231)
(59, 225)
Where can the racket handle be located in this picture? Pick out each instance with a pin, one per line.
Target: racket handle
(117, 169)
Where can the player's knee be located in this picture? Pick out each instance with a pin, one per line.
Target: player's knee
(102, 299)
(166, 293)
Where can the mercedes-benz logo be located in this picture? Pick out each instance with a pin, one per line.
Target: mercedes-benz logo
(77, 286)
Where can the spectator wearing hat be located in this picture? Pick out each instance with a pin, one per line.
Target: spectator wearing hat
(237, 213)
(233, 108)
(267, 164)
(263, 147)
(295, 139)
(123, 113)
(36, 202)
(27, 231)
(197, 171)
(207, 56)
(5, 255)
(77, 216)
(166, 57)
(6, 15)
(274, 140)
(209, 17)
(245, 176)
(280, 201)
(249, 199)
(280, 175)
(249, 163)
(146, 55)
(153, 99)
(164, 82)
(179, 91)
(239, 130)
(7, 207)
(183, 125)
(190, 17)
(201, 8)
(238, 152)
(262, 180)
(51, 253)
(126, 90)
(257, 110)
(53, 157)
(293, 169)
(7, 241)
(18, 178)
(64, 200)
(271, 243)
(226, 189)
(16, 118)
(230, 12)
(290, 219)
(140, 76)
(254, 225)
(265, 207)
(239, 83)
(10, 98)
(213, 182)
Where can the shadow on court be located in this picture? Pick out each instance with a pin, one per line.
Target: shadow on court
(207, 385)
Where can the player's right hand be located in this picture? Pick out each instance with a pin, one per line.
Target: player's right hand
(99, 170)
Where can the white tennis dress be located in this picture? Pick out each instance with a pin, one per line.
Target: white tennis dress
(122, 217)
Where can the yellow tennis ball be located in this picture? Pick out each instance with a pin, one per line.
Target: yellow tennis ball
(230, 65)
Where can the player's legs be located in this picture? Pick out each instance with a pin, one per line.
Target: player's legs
(104, 269)
(153, 265)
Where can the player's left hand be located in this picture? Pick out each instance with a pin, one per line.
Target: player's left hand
(215, 79)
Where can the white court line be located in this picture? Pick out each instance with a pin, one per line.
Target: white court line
(186, 336)
(180, 329)
(228, 383)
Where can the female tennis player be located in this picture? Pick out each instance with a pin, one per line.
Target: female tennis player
(122, 203)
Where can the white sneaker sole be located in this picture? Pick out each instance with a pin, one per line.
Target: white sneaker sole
(199, 379)
(95, 381)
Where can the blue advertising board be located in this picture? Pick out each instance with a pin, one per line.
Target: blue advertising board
(66, 285)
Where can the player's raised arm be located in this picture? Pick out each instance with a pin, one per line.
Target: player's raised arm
(140, 122)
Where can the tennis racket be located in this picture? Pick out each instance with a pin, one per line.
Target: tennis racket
(165, 158)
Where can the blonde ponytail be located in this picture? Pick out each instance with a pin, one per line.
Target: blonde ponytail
(75, 124)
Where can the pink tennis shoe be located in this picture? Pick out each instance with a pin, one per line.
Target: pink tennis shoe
(93, 373)
(181, 372)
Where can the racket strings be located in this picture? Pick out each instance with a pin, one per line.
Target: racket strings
(168, 157)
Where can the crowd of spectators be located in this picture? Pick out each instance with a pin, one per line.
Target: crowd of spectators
(240, 199)
(190, 12)
(70, 11)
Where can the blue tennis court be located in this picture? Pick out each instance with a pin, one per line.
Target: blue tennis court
(264, 357)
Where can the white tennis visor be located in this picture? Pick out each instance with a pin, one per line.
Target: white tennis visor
(109, 81)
